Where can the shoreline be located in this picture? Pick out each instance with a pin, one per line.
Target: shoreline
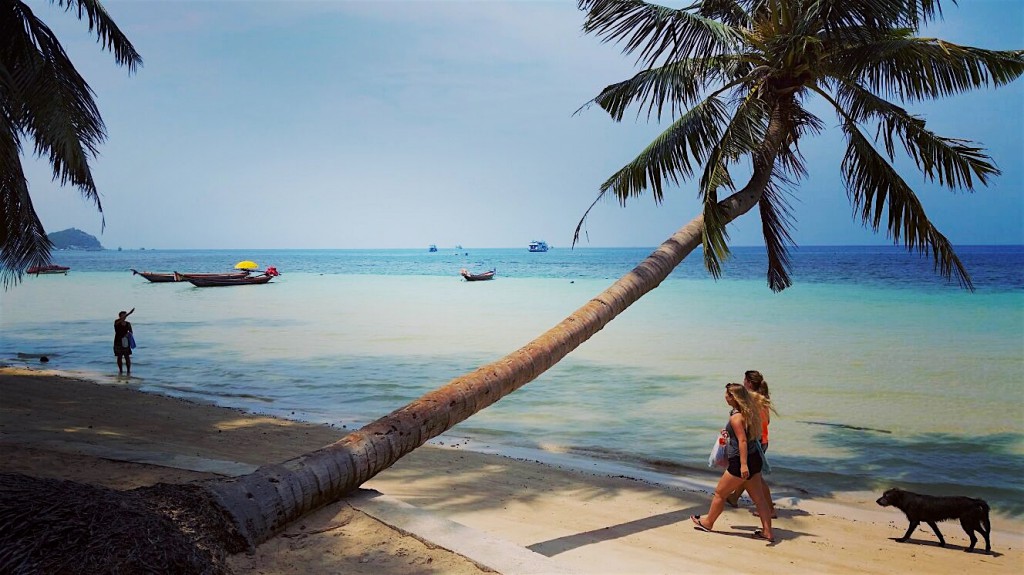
(680, 476)
(668, 474)
(606, 519)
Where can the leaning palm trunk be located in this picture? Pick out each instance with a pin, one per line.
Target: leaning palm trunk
(265, 501)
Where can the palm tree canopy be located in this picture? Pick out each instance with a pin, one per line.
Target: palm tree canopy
(43, 97)
(725, 71)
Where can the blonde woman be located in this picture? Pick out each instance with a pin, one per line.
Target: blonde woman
(754, 381)
(743, 429)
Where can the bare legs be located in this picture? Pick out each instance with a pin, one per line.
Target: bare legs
(726, 485)
(127, 363)
(734, 497)
(764, 507)
(729, 483)
(767, 494)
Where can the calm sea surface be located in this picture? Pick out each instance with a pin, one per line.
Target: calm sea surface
(883, 374)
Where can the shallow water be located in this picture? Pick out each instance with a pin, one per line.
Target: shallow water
(878, 382)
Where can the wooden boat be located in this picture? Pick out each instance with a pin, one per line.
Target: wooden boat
(158, 277)
(477, 277)
(242, 281)
(50, 269)
(180, 277)
(155, 277)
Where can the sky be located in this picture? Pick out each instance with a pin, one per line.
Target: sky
(294, 124)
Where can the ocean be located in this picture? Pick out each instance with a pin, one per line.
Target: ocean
(883, 374)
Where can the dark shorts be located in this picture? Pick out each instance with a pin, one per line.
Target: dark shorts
(754, 463)
(119, 350)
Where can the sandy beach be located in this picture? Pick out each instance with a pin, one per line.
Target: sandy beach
(450, 510)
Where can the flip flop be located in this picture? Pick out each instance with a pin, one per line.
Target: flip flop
(760, 535)
(698, 525)
(775, 514)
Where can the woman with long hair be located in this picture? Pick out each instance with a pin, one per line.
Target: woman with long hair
(754, 381)
(745, 463)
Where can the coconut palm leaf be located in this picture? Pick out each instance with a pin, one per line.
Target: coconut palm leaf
(22, 236)
(657, 32)
(914, 69)
(776, 223)
(744, 133)
(852, 53)
(872, 184)
(955, 163)
(677, 85)
(672, 155)
(107, 32)
(42, 96)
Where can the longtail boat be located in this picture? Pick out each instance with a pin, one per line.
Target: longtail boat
(159, 277)
(50, 269)
(180, 277)
(155, 276)
(263, 278)
(489, 275)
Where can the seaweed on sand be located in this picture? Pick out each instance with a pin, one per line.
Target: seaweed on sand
(55, 526)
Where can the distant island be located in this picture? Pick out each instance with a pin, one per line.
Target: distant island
(74, 239)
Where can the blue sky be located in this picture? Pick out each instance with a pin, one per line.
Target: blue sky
(392, 124)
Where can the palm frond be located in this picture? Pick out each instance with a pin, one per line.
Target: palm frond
(23, 240)
(673, 85)
(914, 69)
(655, 32)
(730, 12)
(776, 223)
(835, 15)
(53, 103)
(873, 185)
(107, 32)
(677, 85)
(955, 163)
(672, 154)
(744, 133)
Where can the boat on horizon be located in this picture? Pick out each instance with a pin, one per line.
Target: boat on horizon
(539, 246)
(432, 248)
(49, 269)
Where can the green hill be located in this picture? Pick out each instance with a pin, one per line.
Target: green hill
(74, 239)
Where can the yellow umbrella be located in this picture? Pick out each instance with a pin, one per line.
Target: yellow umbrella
(246, 265)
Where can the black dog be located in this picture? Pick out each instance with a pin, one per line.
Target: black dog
(972, 513)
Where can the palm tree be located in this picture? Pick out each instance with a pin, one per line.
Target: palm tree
(42, 96)
(759, 61)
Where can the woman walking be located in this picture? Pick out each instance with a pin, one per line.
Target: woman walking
(743, 429)
(754, 381)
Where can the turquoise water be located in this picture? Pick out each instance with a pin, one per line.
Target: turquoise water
(882, 373)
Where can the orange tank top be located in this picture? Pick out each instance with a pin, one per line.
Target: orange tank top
(764, 427)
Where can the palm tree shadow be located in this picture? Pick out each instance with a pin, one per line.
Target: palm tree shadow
(560, 545)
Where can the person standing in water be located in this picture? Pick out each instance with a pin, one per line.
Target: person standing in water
(122, 345)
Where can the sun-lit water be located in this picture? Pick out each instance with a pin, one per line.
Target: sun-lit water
(882, 373)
